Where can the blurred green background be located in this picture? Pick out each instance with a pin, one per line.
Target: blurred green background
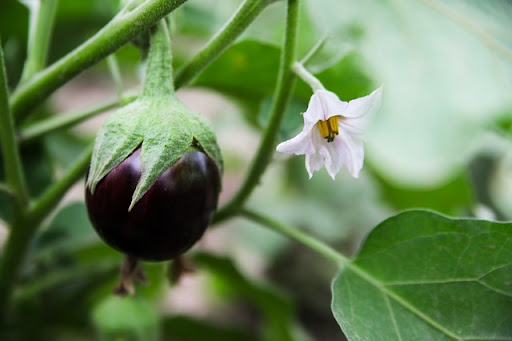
(440, 141)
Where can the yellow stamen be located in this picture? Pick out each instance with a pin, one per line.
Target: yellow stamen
(324, 129)
(333, 124)
(329, 129)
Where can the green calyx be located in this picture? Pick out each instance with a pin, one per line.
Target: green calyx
(157, 121)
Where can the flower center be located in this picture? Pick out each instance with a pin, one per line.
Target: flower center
(329, 129)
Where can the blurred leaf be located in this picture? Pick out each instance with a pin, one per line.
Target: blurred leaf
(454, 197)
(446, 69)
(203, 18)
(185, 328)
(277, 310)
(420, 274)
(126, 318)
(64, 147)
(38, 172)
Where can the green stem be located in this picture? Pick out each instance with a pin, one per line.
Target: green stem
(114, 35)
(159, 64)
(285, 82)
(307, 77)
(113, 67)
(318, 46)
(295, 234)
(23, 229)
(11, 157)
(66, 120)
(42, 17)
(244, 15)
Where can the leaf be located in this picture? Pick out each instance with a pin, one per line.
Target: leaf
(126, 318)
(446, 68)
(453, 197)
(423, 276)
(276, 309)
(185, 328)
(38, 172)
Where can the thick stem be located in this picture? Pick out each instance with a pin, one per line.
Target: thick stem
(42, 17)
(285, 82)
(114, 35)
(307, 77)
(66, 120)
(159, 80)
(295, 234)
(11, 157)
(23, 229)
(245, 15)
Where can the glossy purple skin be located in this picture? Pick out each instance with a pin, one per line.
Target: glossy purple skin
(168, 219)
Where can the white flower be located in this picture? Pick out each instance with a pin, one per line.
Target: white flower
(332, 133)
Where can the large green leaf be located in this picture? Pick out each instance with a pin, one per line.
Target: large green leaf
(422, 276)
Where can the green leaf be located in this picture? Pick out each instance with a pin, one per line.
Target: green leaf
(276, 309)
(423, 276)
(453, 197)
(126, 318)
(38, 172)
(185, 328)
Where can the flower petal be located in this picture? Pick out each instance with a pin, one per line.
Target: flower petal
(300, 144)
(367, 105)
(322, 105)
(352, 152)
(334, 157)
(315, 160)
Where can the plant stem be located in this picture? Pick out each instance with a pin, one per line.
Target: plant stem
(66, 120)
(24, 228)
(307, 77)
(314, 50)
(42, 17)
(285, 82)
(159, 64)
(244, 15)
(113, 67)
(293, 233)
(114, 35)
(11, 157)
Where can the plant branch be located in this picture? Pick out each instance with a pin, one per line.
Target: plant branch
(110, 38)
(42, 17)
(314, 50)
(23, 229)
(66, 120)
(284, 87)
(244, 15)
(11, 157)
(296, 234)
